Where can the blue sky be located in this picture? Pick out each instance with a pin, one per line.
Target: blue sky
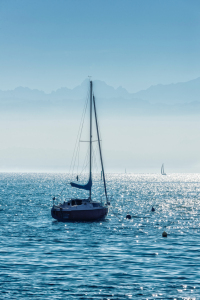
(48, 44)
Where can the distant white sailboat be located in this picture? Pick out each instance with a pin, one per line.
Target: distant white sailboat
(162, 170)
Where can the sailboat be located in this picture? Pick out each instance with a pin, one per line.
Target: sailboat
(162, 170)
(84, 209)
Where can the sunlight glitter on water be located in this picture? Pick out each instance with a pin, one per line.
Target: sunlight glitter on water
(112, 259)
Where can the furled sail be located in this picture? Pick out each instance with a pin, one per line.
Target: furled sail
(86, 186)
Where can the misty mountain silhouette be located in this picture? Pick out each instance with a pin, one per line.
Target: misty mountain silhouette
(182, 92)
(183, 97)
(101, 89)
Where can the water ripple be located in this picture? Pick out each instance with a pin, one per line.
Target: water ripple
(117, 258)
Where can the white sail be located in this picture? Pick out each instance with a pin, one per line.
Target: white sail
(162, 170)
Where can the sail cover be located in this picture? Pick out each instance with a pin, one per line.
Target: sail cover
(86, 187)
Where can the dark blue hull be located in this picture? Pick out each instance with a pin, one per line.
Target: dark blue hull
(79, 215)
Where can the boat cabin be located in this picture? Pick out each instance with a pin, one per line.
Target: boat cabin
(76, 202)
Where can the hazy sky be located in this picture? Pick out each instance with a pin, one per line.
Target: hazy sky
(48, 44)
(139, 144)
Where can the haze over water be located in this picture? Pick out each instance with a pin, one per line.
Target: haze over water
(116, 258)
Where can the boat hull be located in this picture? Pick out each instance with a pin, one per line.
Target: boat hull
(79, 215)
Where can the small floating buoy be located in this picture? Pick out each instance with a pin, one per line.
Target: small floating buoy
(153, 209)
(164, 234)
(128, 217)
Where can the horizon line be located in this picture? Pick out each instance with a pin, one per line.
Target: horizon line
(65, 87)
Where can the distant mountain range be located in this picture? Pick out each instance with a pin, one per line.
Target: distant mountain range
(101, 89)
(175, 93)
(183, 97)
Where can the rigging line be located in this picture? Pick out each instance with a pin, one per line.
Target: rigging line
(75, 160)
(85, 164)
(82, 121)
(77, 142)
(99, 129)
(115, 214)
(94, 158)
(98, 122)
(82, 117)
(78, 157)
(100, 152)
(59, 195)
(80, 133)
(80, 128)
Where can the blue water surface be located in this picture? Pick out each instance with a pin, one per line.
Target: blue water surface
(117, 258)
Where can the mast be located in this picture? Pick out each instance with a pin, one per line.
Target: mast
(100, 149)
(88, 186)
(90, 136)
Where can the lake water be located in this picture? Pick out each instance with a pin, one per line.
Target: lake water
(117, 258)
